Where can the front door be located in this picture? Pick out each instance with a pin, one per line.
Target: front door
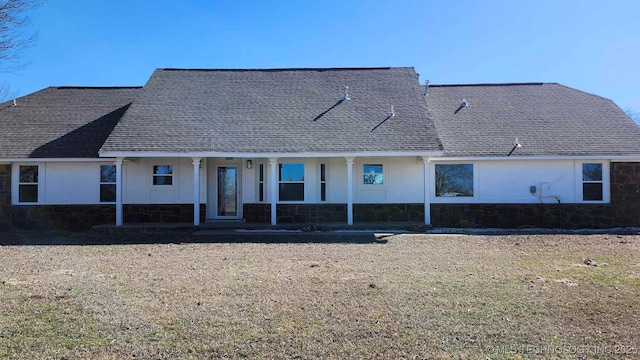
(227, 201)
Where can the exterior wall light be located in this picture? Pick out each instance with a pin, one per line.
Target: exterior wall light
(249, 164)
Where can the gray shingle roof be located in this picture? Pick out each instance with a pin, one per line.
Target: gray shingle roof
(548, 119)
(61, 122)
(277, 110)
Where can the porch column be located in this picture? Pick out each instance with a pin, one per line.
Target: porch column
(273, 182)
(196, 191)
(350, 191)
(427, 192)
(119, 191)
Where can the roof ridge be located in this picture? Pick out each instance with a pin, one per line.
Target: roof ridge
(97, 87)
(495, 84)
(283, 69)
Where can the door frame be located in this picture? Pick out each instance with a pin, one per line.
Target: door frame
(212, 193)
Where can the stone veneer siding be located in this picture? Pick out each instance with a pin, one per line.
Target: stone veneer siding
(82, 217)
(622, 211)
(5, 196)
(295, 213)
(321, 213)
(388, 212)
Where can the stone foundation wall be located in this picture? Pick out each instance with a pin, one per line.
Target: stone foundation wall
(388, 212)
(161, 213)
(257, 213)
(5, 196)
(68, 217)
(82, 217)
(322, 213)
(296, 213)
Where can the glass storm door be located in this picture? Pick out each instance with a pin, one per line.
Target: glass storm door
(227, 191)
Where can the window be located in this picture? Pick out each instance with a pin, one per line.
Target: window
(107, 183)
(261, 182)
(28, 184)
(592, 183)
(454, 180)
(163, 175)
(372, 174)
(291, 178)
(323, 182)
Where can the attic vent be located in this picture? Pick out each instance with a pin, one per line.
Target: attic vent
(346, 94)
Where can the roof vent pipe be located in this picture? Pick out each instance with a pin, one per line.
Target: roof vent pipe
(346, 94)
(392, 114)
(516, 145)
(426, 87)
(15, 103)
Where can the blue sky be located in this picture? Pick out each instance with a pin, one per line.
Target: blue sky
(589, 45)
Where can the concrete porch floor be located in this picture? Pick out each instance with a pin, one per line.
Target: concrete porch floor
(238, 226)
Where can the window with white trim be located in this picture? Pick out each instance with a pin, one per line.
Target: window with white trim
(454, 180)
(291, 181)
(592, 182)
(372, 174)
(107, 183)
(28, 184)
(323, 182)
(261, 182)
(162, 174)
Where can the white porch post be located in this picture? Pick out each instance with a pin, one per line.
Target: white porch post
(427, 192)
(196, 191)
(273, 182)
(350, 191)
(119, 191)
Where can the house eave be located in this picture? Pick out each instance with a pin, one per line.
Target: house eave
(5, 161)
(130, 154)
(613, 158)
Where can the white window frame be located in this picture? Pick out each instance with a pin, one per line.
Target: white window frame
(105, 183)
(606, 178)
(262, 167)
(38, 184)
(325, 164)
(453, 199)
(172, 175)
(304, 182)
(372, 163)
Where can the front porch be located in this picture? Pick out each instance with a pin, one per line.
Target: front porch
(277, 190)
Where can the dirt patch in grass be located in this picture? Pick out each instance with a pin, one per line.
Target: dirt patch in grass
(409, 296)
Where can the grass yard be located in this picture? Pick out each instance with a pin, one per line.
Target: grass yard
(403, 296)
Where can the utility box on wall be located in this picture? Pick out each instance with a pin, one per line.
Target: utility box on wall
(545, 189)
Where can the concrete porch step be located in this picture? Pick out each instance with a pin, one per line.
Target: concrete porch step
(241, 227)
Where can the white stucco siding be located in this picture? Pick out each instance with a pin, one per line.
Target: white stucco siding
(72, 183)
(63, 183)
(511, 181)
(138, 185)
(403, 181)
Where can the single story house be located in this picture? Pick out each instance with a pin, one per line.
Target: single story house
(318, 145)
